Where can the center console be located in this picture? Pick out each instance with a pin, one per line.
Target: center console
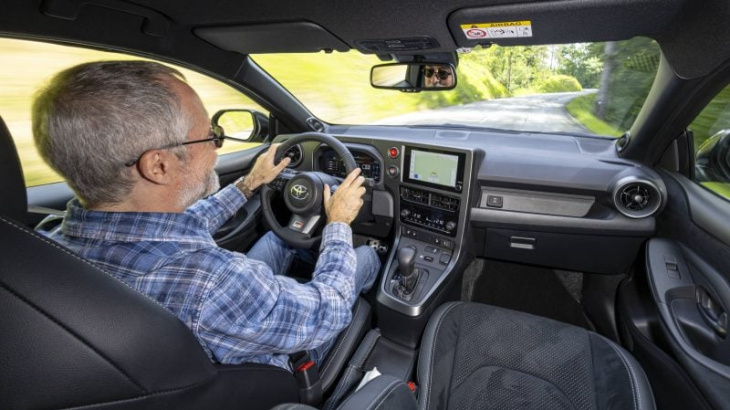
(433, 190)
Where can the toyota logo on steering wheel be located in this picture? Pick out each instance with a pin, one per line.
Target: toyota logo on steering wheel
(299, 192)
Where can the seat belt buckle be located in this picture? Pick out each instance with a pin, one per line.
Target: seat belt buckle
(307, 374)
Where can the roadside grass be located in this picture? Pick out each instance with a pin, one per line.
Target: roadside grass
(581, 108)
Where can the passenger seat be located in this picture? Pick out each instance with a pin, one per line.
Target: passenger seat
(476, 356)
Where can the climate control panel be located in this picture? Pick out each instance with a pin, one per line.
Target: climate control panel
(435, 212)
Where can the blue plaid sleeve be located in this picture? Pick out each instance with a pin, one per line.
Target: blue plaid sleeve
(218, 208)
(250, 311)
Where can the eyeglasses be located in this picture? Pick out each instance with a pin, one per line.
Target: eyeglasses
(215, 134)
(441, 74)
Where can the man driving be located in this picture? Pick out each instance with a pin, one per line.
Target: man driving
(438, 76)
(135, 144)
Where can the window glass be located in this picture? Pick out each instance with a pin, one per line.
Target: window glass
(582, 88)
(711, 135)
(27, 65)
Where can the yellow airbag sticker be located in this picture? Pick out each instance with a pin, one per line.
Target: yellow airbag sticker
(506, 29)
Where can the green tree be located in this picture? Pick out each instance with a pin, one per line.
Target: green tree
(577, 60)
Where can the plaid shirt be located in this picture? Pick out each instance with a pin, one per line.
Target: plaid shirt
(239, 310)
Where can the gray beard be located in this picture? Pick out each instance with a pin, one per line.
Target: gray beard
(196, 190)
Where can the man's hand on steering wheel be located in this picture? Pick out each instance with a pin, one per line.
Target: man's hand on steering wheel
(304, 193)
(263, 171)
(344, 205)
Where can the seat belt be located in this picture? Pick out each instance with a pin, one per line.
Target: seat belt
(307, 375)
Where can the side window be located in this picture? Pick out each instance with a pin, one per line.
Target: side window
(711, 130)
(27, 65)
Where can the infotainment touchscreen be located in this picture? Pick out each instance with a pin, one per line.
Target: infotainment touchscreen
(433, 167)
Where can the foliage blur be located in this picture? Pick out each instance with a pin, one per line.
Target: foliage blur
(714, 118)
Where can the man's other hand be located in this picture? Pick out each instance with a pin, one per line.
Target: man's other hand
(264, 170)
(345, 203)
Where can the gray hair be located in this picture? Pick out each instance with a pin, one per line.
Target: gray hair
(93, 118)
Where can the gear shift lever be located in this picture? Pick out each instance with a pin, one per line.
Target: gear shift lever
(406, 260)
(409, 275)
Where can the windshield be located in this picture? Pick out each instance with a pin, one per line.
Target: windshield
(585, 88)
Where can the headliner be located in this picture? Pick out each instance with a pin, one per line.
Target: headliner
(684, 28)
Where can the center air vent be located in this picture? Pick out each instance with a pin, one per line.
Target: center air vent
(636, 197)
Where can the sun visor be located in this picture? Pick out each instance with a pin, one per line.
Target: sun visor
(292, 37)
(575, 21)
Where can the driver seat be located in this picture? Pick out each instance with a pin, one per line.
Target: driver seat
(75, 336)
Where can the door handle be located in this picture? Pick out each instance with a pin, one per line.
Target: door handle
(712, 312)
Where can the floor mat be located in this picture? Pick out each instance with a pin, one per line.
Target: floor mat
(528, 289)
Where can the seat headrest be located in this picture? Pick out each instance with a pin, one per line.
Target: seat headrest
(14, 203)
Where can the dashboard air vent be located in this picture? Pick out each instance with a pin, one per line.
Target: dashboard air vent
(414, 195)
(444, 202)
(637, 198)
(296, 155)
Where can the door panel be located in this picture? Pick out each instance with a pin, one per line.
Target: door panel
(675, 306)
(691, 297)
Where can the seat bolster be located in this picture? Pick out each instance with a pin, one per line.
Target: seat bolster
(426, 355)
(616, 371)
(383, 393)
(14, 203)
(346, 343)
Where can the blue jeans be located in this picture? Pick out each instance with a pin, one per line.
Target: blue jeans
(279, 255)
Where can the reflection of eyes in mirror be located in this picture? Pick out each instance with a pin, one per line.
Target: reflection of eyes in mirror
(437, 75)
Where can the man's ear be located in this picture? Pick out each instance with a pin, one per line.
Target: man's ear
(156, 166)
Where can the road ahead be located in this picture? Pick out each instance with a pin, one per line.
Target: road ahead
(544, 113)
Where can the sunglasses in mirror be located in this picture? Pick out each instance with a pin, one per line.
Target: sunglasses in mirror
(441, 74)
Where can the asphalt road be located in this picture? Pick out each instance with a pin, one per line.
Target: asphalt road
(544, 113)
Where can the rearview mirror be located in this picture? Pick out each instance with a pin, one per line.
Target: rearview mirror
(414, 77)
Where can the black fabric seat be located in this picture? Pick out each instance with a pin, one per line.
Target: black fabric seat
(73, 335)
(476, 356)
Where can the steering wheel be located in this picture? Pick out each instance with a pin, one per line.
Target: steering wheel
(303, 193)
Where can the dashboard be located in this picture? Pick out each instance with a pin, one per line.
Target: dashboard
(546, 199)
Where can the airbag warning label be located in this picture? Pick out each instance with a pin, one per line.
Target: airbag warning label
(506, 29)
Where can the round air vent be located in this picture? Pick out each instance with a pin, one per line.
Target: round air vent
(296, 154)
(637, 197)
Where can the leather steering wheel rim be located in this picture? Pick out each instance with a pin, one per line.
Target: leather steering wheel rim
(289, 236)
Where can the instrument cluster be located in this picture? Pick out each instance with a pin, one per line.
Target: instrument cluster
(330, 163)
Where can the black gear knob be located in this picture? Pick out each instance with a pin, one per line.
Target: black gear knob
(406, 260)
